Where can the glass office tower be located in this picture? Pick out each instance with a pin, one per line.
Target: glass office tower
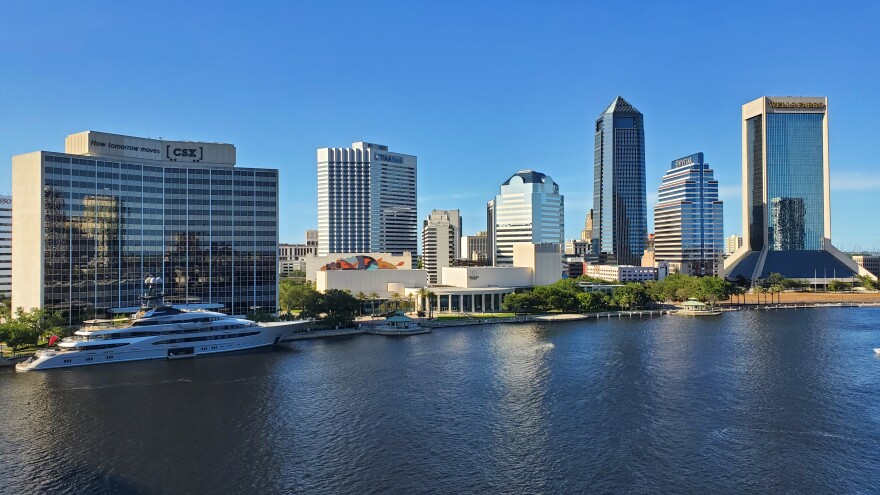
(786, 193)
(528, 209)
(620, 224)
(101, 222)
(689, 219)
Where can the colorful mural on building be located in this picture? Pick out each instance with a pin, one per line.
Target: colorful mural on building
(360, 263)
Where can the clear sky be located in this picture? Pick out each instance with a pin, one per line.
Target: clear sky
(477, 90)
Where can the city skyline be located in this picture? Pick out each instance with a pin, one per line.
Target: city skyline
(517, 109)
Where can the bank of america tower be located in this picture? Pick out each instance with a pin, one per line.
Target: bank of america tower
(620, 224)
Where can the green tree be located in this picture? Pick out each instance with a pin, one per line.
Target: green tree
(260, 316)
(5, 307)
(523, 302)
(592, 301)
(711, 289)
(432, 298)
(41, 321)
(361, 297)
(561, 295)
(836, 286)
(336, 308)
(867, 282)
(758, 290)
(373, 297)
(395, 301)
(631, 296)
(292, 295)
(774, 279)
(17, 334)
(776, 289)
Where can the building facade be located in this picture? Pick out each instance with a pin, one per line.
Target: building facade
(366, 200)
(732, 243)
(529, 209)
(620, 222)
(6, 245)
(490, 232)
(868, 262)
(95, 221)
(786, 193)
(621, 273)
(689, 219)
(475, 247)
(292, 258)
(441, 241)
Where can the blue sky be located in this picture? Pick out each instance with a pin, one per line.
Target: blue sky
(477, 90)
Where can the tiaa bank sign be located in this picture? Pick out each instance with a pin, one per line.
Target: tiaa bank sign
(382, 157)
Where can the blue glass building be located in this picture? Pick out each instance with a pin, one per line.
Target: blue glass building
(689, 219)
(620, 224)
(786, 194)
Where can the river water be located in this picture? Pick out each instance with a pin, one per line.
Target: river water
(783, 401)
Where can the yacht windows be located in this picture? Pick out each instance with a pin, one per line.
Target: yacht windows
(207, 337)
(96, 347)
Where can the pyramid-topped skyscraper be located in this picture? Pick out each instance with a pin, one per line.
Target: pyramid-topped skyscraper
(620, 224)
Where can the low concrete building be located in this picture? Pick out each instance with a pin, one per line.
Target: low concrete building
(545, 260)
(487, 276)
(462, 299)
(382, 282)
(622, 273)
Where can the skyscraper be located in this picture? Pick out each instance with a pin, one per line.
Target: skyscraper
(529, 209)
(490, 232)
(90, 224)
(688, 219)
(6, 245)
(786, 193)
(366, 200)
(441, 235)
(620, 223)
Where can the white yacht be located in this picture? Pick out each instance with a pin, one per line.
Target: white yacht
(157, 332)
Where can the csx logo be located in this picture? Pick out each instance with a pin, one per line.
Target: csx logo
(173, 153)
(184, 152)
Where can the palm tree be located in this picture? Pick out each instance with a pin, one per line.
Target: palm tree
(758, 290)
(361, 297)
(373, 296)
(775, 289)
(431, 298)
(395, 299)
(423, 295)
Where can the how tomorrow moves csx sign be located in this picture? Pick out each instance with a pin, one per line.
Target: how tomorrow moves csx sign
(94, 143)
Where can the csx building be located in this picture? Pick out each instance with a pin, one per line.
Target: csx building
(93, 222)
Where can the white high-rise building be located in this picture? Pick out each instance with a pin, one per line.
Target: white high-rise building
(6, 245)
(732, 243)
(440, 241)
(529, 209)
(366, 200)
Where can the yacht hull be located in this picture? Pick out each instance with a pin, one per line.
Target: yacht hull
(143, 351)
